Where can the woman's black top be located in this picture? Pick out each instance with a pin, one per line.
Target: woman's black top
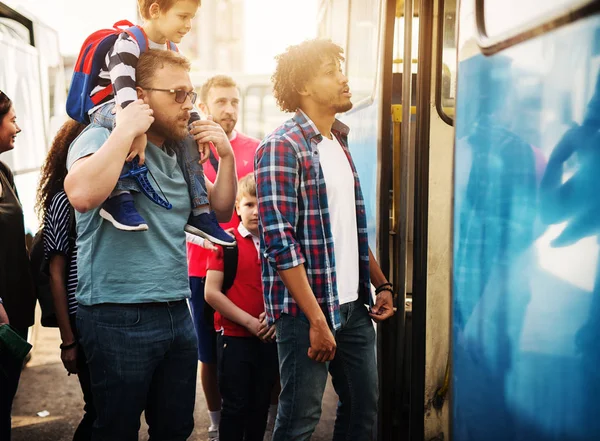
(16, 287)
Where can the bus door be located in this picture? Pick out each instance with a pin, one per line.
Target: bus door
(526, 268)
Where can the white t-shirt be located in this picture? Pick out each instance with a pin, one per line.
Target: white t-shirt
(339, 181)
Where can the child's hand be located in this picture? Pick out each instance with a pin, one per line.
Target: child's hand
(138, 148)
(254, 326)
(266, 333)
(137, 117)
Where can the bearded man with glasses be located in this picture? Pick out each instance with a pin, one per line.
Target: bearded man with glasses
(133, 317)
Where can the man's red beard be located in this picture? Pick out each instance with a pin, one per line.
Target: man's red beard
(171, 128)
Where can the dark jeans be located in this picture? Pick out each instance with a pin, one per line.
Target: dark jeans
(247, 372)
(353, 371)
(84, 430)
(8, 389)
(141, 358)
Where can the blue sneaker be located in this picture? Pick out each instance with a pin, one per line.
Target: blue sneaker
(206, 225)
(121, 212)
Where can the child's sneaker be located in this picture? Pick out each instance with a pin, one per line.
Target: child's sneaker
(121, 212)
(213, 435)
(206, 225)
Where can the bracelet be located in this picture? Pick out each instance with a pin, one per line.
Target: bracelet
(69, 346)
(384, 287)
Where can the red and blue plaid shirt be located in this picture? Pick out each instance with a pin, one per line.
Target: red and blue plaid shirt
(294, 218)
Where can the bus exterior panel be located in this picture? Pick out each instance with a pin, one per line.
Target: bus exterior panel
(526, 270)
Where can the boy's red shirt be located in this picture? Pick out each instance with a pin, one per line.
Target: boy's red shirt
(246, 291)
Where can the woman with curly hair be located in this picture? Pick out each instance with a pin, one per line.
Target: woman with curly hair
(60, 250)
(17, 300)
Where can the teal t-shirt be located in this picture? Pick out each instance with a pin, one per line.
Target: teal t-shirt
(117, 266)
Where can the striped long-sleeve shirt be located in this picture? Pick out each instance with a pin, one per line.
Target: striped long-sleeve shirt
(58, 240)
(294, 218)
(119, 69)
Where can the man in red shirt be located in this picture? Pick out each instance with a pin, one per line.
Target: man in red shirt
(220, 98)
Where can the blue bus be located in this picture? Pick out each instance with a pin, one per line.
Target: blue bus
(475, 132)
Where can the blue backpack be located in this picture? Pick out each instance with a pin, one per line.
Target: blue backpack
(89, 63)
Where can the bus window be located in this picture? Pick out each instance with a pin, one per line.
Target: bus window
(363, 49)
(447, 66)
(504, 17)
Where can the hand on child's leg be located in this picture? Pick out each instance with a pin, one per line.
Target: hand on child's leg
(138, 148)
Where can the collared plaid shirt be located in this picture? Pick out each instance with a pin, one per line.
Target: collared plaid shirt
(294, 218)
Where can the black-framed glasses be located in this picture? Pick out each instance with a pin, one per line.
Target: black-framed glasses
(180, 94)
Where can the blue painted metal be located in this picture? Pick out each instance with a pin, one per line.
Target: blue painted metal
(526, 271)
(362, 140)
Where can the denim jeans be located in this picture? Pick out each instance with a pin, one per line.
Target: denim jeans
(187, 158)
(141, 358)
(353, 371)
(247, 371)
(84, 429)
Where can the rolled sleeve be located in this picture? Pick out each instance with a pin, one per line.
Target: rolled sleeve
(87, 143)
(277, 180)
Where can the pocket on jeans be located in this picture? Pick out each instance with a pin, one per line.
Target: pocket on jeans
(117, 316)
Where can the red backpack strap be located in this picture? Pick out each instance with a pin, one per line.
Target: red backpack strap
(172, 46)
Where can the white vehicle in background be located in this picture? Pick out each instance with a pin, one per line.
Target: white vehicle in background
(32, 75)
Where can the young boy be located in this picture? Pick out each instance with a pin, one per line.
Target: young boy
(165, 22)
(247, 355)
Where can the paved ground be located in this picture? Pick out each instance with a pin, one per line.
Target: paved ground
(45, 386)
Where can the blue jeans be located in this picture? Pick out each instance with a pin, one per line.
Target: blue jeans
(353, 371)
(207, 336)
(141, 358)
(247, 372)
(187, 158)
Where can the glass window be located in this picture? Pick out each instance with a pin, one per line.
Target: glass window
(511, 16)
(363, 44)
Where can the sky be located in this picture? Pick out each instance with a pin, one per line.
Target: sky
(266, 33)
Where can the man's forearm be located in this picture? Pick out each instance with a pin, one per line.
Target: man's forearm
(91, 180)
(296, 282)
(377, 276)
(222, 195)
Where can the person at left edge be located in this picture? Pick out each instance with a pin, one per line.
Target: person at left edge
(17, 302)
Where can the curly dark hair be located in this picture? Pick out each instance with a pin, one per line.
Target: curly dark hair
(298, 65)
(54, 170)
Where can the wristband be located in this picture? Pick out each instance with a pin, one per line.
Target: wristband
(69, 346)
(384, 287)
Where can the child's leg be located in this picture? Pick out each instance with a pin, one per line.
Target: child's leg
(119, 208)
(202, 221)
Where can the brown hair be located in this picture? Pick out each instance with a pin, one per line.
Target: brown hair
(298, 65)
(246, 187)
(216, 81)
(5, 105)
(164, 5)
(54, 170)
(152, 60)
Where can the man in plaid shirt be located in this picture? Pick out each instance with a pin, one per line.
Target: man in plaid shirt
(317, 265)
